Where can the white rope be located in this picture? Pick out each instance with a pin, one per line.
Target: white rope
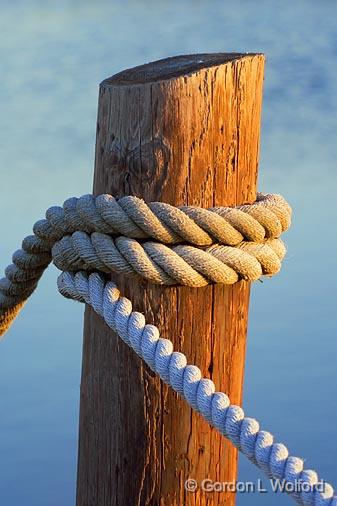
(166, 245)
(273, 458)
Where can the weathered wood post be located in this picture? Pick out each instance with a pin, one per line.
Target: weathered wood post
(183, 130)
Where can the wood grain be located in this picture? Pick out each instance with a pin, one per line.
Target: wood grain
(184, 130)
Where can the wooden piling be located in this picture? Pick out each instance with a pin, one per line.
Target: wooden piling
(184, 130)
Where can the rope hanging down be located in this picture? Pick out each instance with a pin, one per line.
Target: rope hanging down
(273, 458)
(165, 245)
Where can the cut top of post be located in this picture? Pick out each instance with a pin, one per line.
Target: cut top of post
(172, 67)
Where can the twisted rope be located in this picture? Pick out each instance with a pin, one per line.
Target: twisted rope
(161, 243)
(168, 265)
(200, 393)
(130, 216)
(166, 245)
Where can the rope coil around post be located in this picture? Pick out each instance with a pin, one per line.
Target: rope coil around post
(165, 245)
(161, 243)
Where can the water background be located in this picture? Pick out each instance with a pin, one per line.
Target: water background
(52, 57)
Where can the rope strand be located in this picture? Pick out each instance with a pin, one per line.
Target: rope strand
(161, 243)
(166, 245)
(259, 446)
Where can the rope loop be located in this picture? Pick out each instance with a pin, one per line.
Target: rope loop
(161, 243)
(90, 238)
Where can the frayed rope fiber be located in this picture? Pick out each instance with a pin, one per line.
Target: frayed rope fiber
(169, 246)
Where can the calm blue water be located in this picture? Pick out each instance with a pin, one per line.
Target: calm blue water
(53, 55)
